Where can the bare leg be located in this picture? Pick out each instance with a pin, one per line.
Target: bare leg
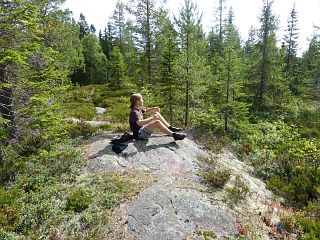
(157, 124)
(161, 118)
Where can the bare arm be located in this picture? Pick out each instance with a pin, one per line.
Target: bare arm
(152, 110)
(144, 121)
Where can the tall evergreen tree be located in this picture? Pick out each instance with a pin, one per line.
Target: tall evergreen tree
(311, 65)
(130, 51)
(35, 61)
(291, 59)
(84, 27)
(221, 8)
(106, 42)
(118, 69)
(118, 24)
(95, 61)
(144, 11)
(19, 22)
(270, 87)
(166, 55)
(192, 63)
(232, 73)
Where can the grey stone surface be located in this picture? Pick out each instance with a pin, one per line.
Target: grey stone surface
(91, 123)
(160, 154)
(179, 205)
(160, 213)
(100, 110)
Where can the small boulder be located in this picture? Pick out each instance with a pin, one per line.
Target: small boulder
(100, 110)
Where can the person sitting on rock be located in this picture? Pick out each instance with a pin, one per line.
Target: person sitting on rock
(143, 128)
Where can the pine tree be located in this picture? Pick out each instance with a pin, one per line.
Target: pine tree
(84, 27)
(117, 68)
(130, 51)
(221, 18)
(291, 44)
(232, 73)
(95, 61)
(16, 39)
(35, 63)
(192, 63)
(270, 87)
(117, 24)
(107, 42)
(144, 11)
(311, 66)
(166, 55)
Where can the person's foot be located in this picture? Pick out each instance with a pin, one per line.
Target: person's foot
(178, 136)
(174, 129)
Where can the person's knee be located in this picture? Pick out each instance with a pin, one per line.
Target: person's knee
(157, 122)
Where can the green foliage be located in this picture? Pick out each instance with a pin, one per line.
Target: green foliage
(207, 120)
(78, 201)
(9, 236)
(117, 69)
(239, 190)
(80, 208)
(305, 224)
(9, 209)
(217, 178)
(95, 61)
(207, 235)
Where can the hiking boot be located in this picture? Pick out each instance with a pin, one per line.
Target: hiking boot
(174, 129)
(178, 136)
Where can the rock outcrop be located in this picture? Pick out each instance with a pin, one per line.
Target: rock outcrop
(180, 205)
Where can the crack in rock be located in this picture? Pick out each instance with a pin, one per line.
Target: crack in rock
(182, 209)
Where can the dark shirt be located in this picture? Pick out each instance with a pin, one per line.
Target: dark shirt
(135, 115)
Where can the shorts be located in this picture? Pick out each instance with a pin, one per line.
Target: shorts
(144, 133)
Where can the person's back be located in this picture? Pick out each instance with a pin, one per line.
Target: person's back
(135, 115)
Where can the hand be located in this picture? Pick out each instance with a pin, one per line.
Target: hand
(157, 109)
(155, 116)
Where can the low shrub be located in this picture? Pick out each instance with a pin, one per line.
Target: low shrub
(217, 178)
(78, 201)
(9, 209)
(239, 190)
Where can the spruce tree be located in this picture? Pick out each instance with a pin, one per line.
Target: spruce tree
(84, 27)
(232, 74)
(118, 69)
(166, 56)
(192, 64)
(311, 67)
(270, 86)
(291, 45)
(117, 24)
(144, 12)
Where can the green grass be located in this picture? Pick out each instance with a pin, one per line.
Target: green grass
(80, 103)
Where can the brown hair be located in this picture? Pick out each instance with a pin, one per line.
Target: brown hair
(134, 99)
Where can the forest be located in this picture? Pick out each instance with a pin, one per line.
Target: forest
(256, 97)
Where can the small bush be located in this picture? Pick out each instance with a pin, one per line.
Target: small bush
(217, 178)
(82, 129)
(9, 209)
(9, 236)
(78, 201)
(239, 190)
